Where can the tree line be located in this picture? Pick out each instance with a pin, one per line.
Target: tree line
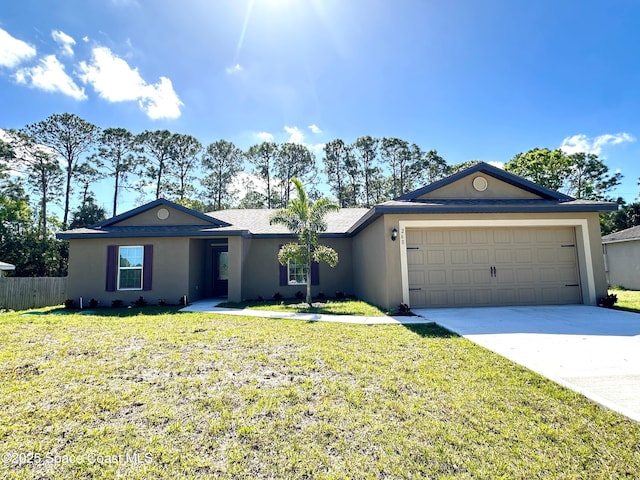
(64, 156)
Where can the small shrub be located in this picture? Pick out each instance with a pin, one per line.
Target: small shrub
(260, 299)
(340, 295)
(162, 302)
(403, 308)
(117, 303)
(277, 296)
(69, 303)
(140, 302)
(608, 301)
(93, 303)
(299, 295)
(321, 296)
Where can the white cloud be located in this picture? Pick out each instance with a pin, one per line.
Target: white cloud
(317, 148)
(160, 100)
(50, 76)
(65, 41)
(237, 68)
(265, 136)
(582, 143)
(115, 81)
(314, 128)
(14, 51)
(85, 39)
(295, 135)
(496, 164)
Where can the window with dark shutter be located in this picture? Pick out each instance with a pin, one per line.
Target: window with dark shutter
(147, 278)
(112, 268)
(315, 273)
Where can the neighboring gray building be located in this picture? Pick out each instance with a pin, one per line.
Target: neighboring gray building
(480, 237)
(6, 267)
(622, 258)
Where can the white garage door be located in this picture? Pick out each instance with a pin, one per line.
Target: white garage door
(492, 266)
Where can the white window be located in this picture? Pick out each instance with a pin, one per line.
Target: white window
(130, 264)
(297, 273)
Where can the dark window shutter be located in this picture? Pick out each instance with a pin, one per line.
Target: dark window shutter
(315, 273)
(147, 268)
(283, 271)
(112, 268)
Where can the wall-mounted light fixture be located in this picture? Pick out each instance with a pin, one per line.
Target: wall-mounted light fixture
(394, 234)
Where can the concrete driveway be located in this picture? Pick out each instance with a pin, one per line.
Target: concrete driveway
(592, 350)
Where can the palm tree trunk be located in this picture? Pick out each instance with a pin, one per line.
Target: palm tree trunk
(309, 274)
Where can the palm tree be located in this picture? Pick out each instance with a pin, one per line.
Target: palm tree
(307, 221)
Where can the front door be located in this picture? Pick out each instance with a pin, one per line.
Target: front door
(220, 271)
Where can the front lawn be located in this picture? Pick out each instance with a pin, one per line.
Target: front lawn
(194, 395)
(333, 307)
(627, 299)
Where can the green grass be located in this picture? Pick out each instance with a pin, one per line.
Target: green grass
(627, 299)
(333, 307)
(202, 396)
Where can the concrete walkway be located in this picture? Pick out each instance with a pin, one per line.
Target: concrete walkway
(594, 351)
(210, 306)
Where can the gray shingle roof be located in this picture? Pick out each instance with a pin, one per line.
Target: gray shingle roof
(256, 221)
(629, 234)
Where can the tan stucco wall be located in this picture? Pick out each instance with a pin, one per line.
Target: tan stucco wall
(260, 270)
(377, 265)
(623, 264)
(236, 274)
(370, 264)
(150, 217)
(88, 265)
(463, 188)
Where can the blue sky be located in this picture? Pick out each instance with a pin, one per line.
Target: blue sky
(476, 80)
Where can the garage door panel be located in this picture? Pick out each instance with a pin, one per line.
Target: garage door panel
(481, 276)
(436, 257)
(568, 275)
(417, 297)
(438, 298)
(523, 256)
(504, 255)
(483, 296)
(566, 255)
(462, 297)
(415, 257)
(505, 275)
(434, 237)
(524, 275)
(548, 274)
(414, 237)
(521, 236)
(480, 256)
(460, 277)
(545, 236)
(502, 236)
(546, 255)
(417, 278)
(437, 277)
(459, 257)
(479, 237)
(513, 266)
(458, 237)
(527, 296)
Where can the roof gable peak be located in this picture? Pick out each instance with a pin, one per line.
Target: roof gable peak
(489, 170)
(156, 203)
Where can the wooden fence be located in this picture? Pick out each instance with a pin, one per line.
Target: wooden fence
(20, 293)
